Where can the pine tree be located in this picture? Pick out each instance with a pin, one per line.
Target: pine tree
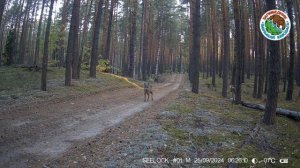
(290, 87)
(96, 32)
(273, 77)
(46, 49)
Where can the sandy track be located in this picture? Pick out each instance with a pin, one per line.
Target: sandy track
(48, 131)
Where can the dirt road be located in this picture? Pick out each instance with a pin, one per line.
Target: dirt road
(47, 131)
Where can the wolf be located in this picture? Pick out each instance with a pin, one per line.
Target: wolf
(148, 91)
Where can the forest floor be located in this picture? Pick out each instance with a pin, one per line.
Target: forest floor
(116, 128)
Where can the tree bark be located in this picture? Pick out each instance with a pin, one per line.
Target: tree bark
(46, 50)
(256, 44)
(75, 52)
(195, 8)
(38, 36)
(22, 46)
(273, 78)
(94, 54)
(2, 7)
(109, 30)
(290, 87)
(261, 58)
(61, 41)
(214, 42)
(226, 49)
(71, 41)
(145, 40)
(239, 44)
(297, 8)
(132, 40)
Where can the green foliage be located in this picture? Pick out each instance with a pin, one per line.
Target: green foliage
(272, 28)
(103, 65)
(85, 67)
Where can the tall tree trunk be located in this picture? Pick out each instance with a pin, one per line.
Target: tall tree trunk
(297, 9)
(61, 41)
(71, 42)
(157, 56)
(267, 68)
(75, 53)
(22, 46)
(38, 36)
(2, 7)
(104, 29)
(109, 30)
(290, 87)
(256, 44)
(247, 61)
(261, 59)
(46, 50)
(131, 51)
(191, 41)
(195, 8)
(145, 40)
(94, 55)
(284, 63)
(85, 31)
(239, 44)
(214, 41)
(226, 38)
(273, 78)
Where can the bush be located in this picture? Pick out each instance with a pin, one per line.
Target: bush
(104, 65)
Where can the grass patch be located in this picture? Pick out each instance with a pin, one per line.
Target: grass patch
(18, 85)
(181, 108)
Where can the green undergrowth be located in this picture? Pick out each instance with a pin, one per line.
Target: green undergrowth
(208, 125)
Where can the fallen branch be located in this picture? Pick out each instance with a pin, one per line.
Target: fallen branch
(281, 111)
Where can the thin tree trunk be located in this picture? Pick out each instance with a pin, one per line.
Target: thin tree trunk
(2, 7)
(290, 87)
(104, 30)
(261, 59)
(131, 51)
(109, 30)
(226, 38)
(24, 33)
(46, 49)
(85, 29)
(297, 9)
(214, 42)
(38, 36)
(61, 42)
(145, 40)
